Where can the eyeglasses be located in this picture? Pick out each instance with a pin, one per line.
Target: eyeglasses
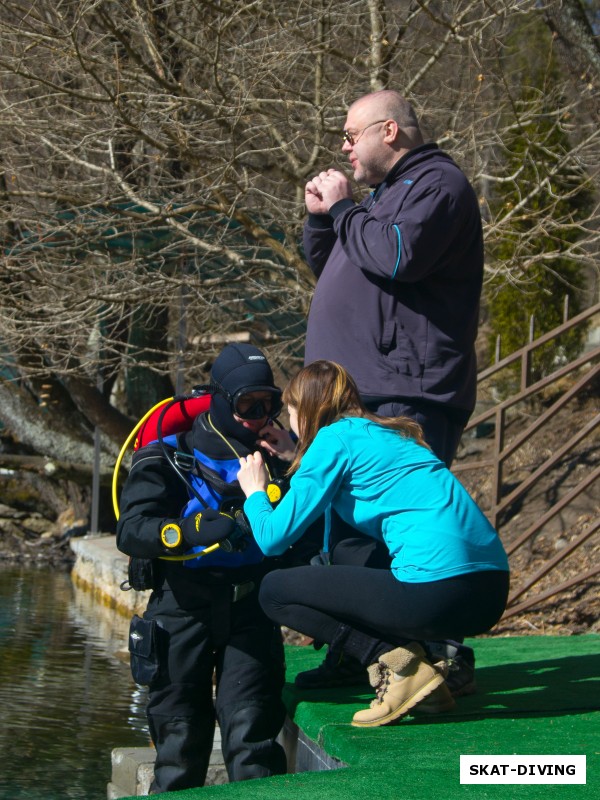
(352, 138)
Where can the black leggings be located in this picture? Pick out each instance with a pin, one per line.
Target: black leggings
(316, 600)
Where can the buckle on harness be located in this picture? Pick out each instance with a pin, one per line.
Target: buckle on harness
(185, 461)
(241, 590)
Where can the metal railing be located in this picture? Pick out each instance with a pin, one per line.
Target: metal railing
(581, 374)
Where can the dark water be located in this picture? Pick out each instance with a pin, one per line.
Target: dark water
(66, 699)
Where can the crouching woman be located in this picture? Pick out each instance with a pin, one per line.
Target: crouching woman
(449, 572)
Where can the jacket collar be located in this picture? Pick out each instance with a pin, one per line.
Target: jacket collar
(413, 156)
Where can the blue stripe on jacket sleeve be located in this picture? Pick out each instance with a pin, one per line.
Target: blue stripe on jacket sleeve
(399, 235)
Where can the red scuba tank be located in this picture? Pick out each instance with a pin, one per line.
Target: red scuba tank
(178, 418)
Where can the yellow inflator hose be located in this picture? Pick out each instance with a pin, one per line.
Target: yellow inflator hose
(115, 482)
(121, 455)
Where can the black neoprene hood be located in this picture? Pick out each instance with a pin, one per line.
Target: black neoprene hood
(241, 368)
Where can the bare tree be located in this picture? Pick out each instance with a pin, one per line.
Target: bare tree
(152, 171)
(578, 46)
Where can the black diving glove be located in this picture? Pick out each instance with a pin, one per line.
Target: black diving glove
(206, 528)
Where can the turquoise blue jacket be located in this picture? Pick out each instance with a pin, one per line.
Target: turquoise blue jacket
(389, 488)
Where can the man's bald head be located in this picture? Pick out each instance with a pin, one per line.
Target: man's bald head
(390, 104)
(380, 128)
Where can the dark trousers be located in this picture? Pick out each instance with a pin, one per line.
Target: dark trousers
(316, 600)
(442, 426)
(238, 644)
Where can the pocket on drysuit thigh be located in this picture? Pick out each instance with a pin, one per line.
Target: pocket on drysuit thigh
(143, 650)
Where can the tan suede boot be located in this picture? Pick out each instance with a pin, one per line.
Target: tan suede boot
(440, 700)
(401, 678)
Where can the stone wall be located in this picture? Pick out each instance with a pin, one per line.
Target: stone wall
(101, 569)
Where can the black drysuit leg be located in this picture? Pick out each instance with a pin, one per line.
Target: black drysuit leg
(247, 650)
(250, 677)
(180, 707)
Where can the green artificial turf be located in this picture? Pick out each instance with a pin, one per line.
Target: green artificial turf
(536, 695)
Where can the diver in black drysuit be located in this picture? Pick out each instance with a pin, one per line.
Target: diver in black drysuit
(203, 618)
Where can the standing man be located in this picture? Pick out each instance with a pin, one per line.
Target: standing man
(400, 273)
(396, 303)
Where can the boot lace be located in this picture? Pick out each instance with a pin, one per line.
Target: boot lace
(382, 678)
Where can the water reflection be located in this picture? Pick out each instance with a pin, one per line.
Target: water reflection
(67, 698)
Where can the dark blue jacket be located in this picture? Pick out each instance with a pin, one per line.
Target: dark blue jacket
(399, 281)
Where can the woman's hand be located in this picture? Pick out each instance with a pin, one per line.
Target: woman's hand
(277, 442)
(252, 476)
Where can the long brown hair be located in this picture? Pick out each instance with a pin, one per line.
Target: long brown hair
(324, 392)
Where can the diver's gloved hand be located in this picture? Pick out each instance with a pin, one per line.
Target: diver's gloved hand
(207, 527)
